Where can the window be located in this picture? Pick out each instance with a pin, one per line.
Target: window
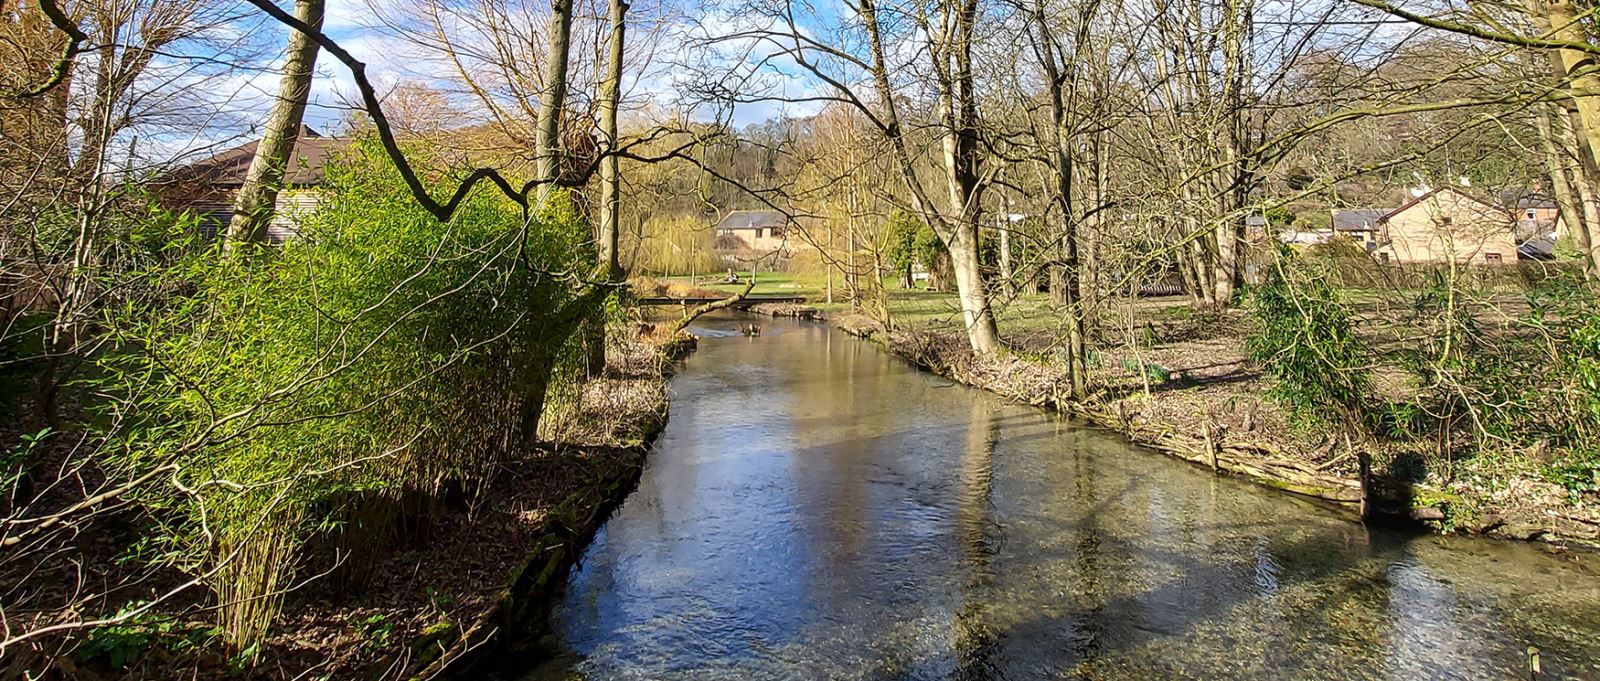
(1446, 221)
(1532, 214)
(1492, 258)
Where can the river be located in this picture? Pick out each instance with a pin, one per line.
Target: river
(817, 509)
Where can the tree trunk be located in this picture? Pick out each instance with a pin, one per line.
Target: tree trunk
(1573, 68)
(553, 99)
(253, 208)
(1065, 286)
(1202, 266)
(831, 263)
(1058, 281)
(940, 271)
(1585, 175)
(610, 180)
(1559, 167)
(852, 275)
(1236, 194)
(1226, 263)
(610, 166)
(1576, 70)
(958, 114)
(966, 200)
(975, 313)
(1089, 235)
(541, 363)
(1007, 285)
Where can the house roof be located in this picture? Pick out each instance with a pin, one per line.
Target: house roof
(1358, 219)
(753, 219)
(1407, 205)
(307, 163)
(1523, 199)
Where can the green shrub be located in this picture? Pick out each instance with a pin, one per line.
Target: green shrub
(138, 633)
(1338, 248)
(1577, 471)
(1305, 339)
(307, 396)
(1528, 383)
(1469, 372)
(1568, 314)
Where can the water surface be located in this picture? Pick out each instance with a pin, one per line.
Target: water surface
(817, 509)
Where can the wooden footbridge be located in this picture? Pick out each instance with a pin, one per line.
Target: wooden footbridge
(705, 300)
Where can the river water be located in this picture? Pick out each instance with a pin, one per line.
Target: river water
(817, 509)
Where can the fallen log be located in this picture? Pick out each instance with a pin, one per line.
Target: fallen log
(707, 308)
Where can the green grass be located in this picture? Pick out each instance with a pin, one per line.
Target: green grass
(934, 310)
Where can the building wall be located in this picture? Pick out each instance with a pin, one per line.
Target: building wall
(1305, 237)
(762, 239)
(1539, 214)
(1449, 226)
(292, 206)
(214, 206)
(1367, 238)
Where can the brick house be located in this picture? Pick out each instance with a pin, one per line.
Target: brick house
(1446, 225)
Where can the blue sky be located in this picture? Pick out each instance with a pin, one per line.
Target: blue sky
(391, 61)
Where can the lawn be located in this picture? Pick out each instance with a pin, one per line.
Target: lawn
(1028, 314)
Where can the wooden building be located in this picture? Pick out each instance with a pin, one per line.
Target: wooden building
(208, 188)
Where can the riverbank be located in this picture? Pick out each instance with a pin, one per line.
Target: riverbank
(817, 508)
(499, 561)
(1205, 407)
(487, 561)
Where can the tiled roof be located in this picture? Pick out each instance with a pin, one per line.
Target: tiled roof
(307, 163)
(753, 219)
(1358, 219)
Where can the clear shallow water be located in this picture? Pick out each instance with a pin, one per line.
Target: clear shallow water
(817, 509)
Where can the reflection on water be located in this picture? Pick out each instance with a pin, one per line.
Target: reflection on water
(817, 509)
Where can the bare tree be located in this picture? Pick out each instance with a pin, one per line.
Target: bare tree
(610, 165)
(864, 66)
(253, 208)
(1064, 131)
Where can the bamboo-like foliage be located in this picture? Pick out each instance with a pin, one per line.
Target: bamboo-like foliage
(380, 355)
